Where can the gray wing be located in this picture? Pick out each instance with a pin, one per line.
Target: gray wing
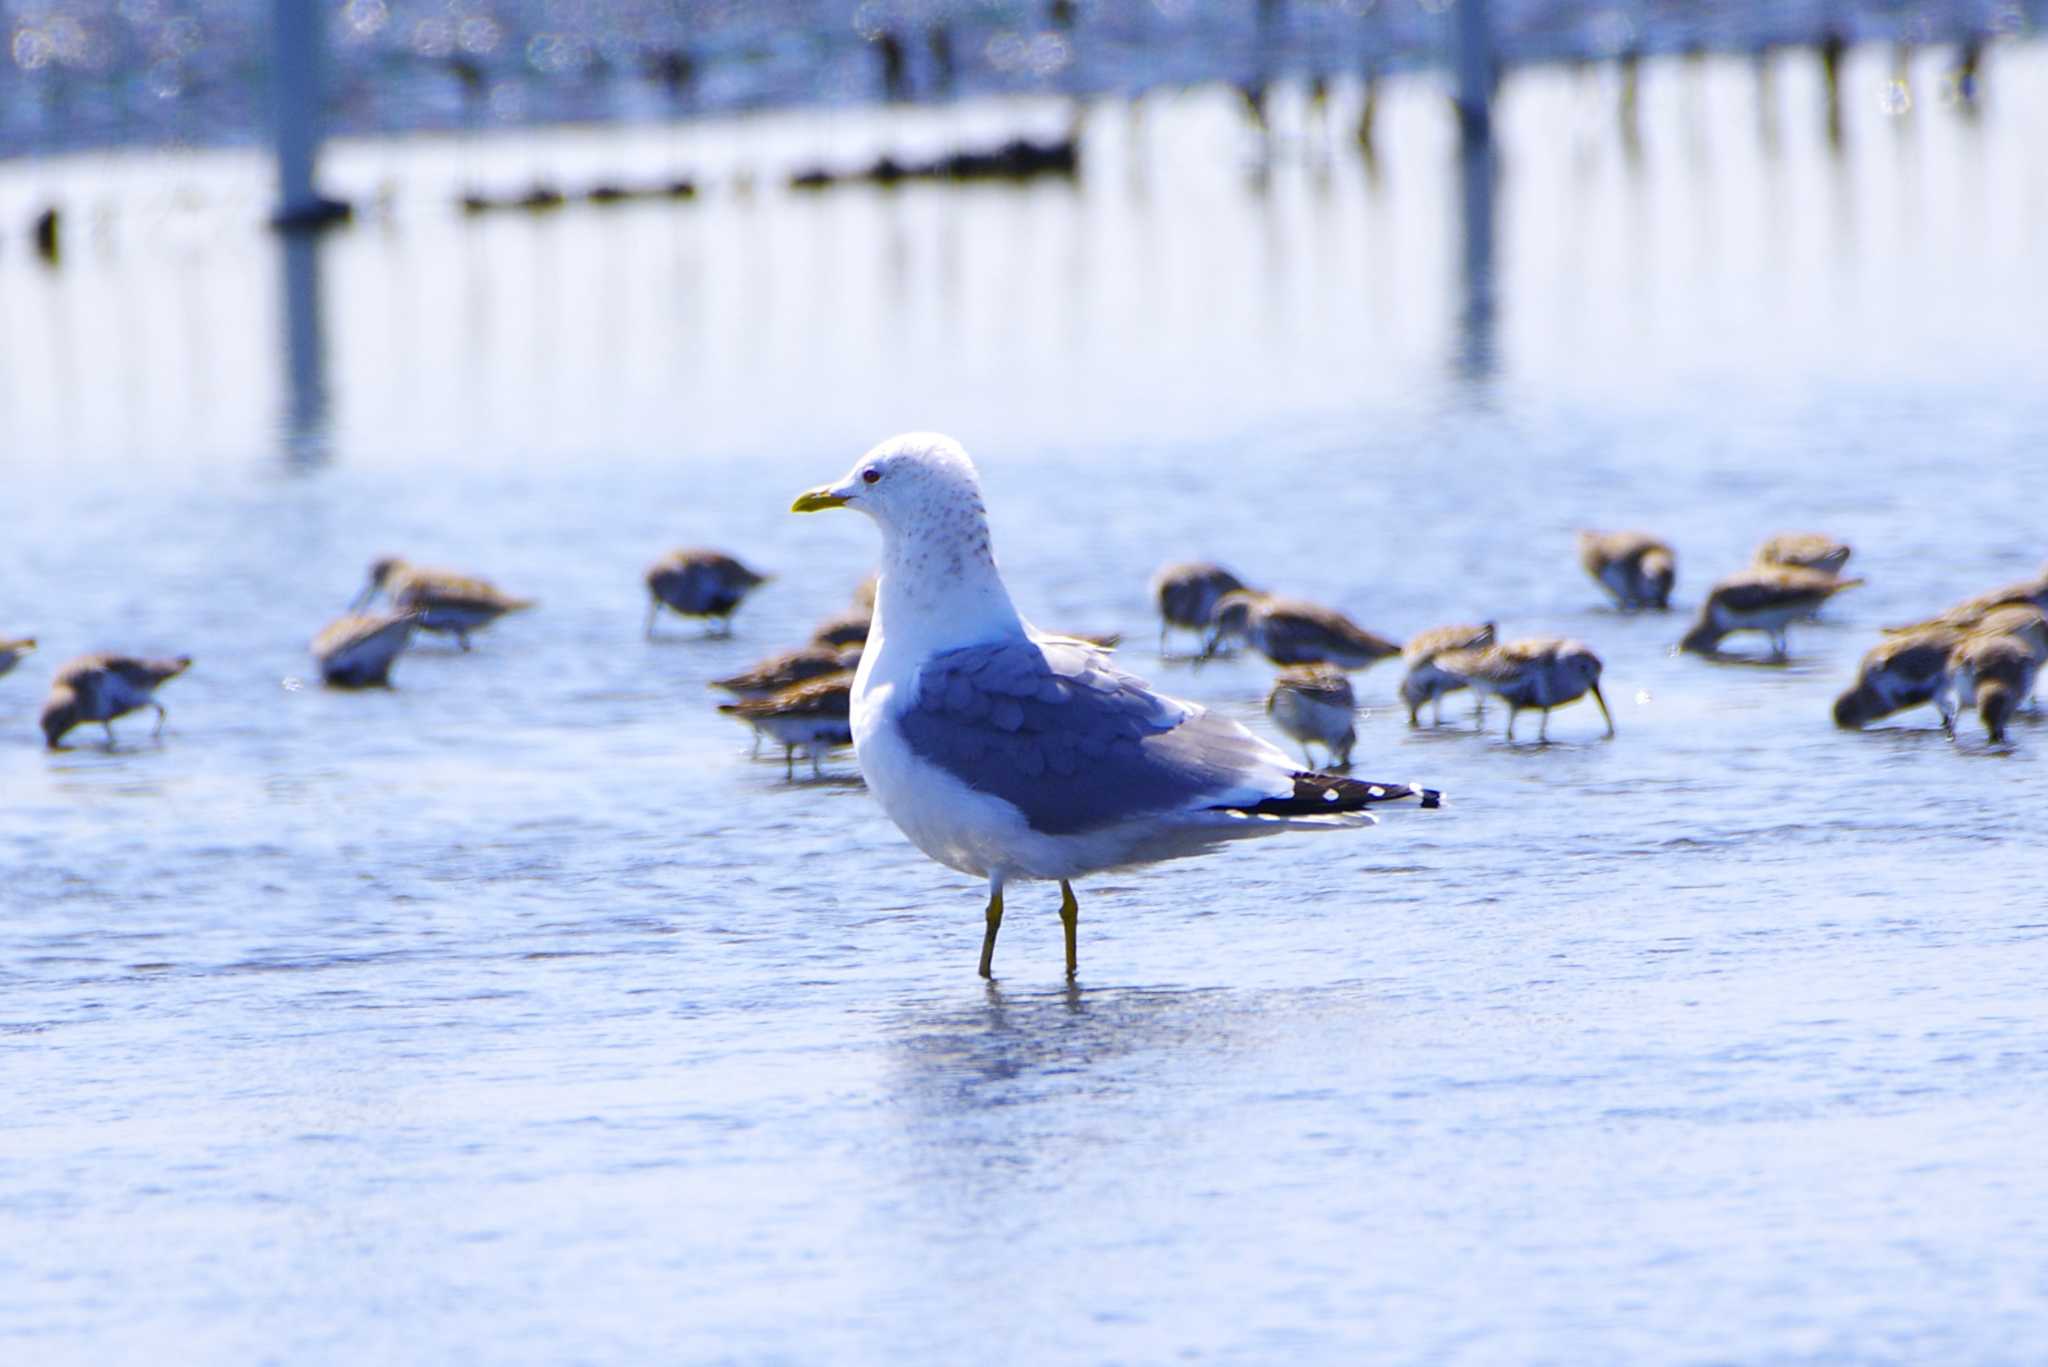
(1075, 744)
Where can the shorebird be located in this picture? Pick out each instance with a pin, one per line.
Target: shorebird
(102, 687)
(11, 652)
(699, 583)
(357, 651)
(1187, 594)
(1424, 682)
(843, 630)
(813, 716)
(442, 601)
(2022, 622)
(1008, 754)
(786, 669)
(1289, 631)
(1765, 598)
(1635, 568)
(1967, 614)
(1991, 672)
(1541, 672)
(1807, 550)
(1901, 671)
(1315, 704)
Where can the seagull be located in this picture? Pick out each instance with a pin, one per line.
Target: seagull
(102, 687)
(1007, 753)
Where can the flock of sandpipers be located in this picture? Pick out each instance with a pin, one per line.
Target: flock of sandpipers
(1983, 653)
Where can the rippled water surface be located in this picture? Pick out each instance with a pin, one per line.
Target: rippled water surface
(516, 1014)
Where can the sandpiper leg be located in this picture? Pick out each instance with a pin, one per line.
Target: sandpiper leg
(462, 638)
(1162, 640)
(1512, 713)
(995, 922)
(108, 727)
(788, 763)
(816, 772)
(653, 611)
(1543, 729)
(1070, 921)
(161, 717)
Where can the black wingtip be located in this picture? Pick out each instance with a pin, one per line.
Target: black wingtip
(1322, 794)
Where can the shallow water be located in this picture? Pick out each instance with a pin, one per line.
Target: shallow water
(517, 1014)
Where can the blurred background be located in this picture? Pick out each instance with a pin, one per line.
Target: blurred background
(518, 1013)
(584, 229)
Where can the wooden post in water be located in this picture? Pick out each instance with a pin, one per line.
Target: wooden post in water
(1477, 69)
(295, 39)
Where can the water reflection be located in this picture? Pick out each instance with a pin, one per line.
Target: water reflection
(305, 434)
(1478, 172)
(1012, 1047)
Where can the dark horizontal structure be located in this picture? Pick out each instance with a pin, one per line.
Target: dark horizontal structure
(91, 73)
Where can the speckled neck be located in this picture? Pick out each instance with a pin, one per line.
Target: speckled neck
(940, 587)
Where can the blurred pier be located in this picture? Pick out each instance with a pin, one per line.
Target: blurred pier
(1405, 131)
(191, 73)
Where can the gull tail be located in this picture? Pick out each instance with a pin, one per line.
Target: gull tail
(1322, 794)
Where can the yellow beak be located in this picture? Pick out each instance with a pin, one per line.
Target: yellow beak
(817, 501)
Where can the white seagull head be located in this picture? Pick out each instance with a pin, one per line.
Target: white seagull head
(920, 484)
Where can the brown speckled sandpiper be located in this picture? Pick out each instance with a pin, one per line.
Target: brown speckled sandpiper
(1766, 598)
(1424, 682)
(1807, 550)
(1635, 568)
(102, 687)
(699, 583)
(1187, 594)
(1290, 631)
(815, 715)
(1901, 671)
(1315, 705)
(1541, 672)
(443, 601)
(1967, 614)
(357, 650)
(11, 652)
(1991, 672)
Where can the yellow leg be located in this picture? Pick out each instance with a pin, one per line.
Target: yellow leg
(1070, 921)
(988, 940)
